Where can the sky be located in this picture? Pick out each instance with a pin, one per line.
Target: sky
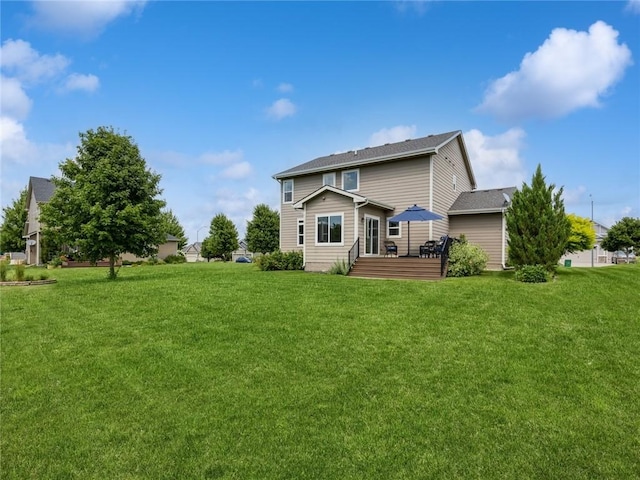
(220, 96)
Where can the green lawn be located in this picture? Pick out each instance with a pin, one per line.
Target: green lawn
(222, 371)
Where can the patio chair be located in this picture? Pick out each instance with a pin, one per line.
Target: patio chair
(440, 246)
(428, 249)
(390, 248)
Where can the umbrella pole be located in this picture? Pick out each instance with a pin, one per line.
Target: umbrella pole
(408, 237)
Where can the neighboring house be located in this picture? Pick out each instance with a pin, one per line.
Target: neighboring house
(479, 215)
(39, 191)
(15, 258)
(599, 256)
(192, 252)
(242, 251)
(332, 202)
(170, 247)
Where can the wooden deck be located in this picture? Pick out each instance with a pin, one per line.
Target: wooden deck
(411, 268)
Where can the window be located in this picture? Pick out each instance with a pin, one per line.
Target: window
(393, 229)
(329, 229)
(287, 191)
(300, 232)
(329, 179)
(351, 180)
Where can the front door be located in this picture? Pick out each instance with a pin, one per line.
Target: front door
(371, 235)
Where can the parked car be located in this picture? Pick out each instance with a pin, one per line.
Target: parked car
(243, 260)
(621, 257)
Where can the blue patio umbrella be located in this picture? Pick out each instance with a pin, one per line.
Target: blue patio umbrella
(414, 214)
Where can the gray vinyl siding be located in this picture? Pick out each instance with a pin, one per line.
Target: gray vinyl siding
(322, 257)
(33, 215)
(447, 163)
(484, 230)
(302, 186)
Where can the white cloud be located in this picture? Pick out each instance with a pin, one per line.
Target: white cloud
(570, 70)
(13, 142)
(78, 81)
(16, 148)
(86, 18)
(237, 171)
(418, 6)
(14, 102)
(20, 60)
(633, 6)
(281, 108)
(398, 133)
(496, 160)
(573, 196)
(225, 157)
(285, 88)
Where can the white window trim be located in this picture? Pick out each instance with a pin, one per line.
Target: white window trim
(329, 243)
(399, 231)
(333, 174)
(300, 222)
(357, 170)
(284, 191)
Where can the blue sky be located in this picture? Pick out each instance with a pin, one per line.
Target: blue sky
(220, 96)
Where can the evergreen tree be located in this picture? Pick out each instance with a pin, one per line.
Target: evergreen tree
(222, 239)
(14, 217)
(263, 231)
(172, 227)
(105, 202)
(537, 225)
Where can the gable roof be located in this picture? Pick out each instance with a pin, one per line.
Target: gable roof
(194, 246)
(389, 151)
(354, 196)
(482, 201)
(42, 189)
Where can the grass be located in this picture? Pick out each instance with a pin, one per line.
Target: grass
(222, 371)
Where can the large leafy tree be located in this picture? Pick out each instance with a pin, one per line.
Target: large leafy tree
(173, 227)
(222, 239)
(263, 230)
(13, 218)
(105, 202)
(537, 225)
(582, 235)
(624, 235)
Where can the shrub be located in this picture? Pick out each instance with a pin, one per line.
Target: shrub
(28, 278)
(4, 268)
(340, 267)
(56, 261)
(19, 272)
(532, 274)
(43, 276)
(466, 259)
(280, 261)
(175, 259)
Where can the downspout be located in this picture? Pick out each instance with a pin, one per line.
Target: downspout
(431, 195)
(305, 238)
(38, 248)
(504, 241)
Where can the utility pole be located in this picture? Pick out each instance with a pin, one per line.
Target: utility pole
(594, 228)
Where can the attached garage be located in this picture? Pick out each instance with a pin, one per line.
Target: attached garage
(479, 216)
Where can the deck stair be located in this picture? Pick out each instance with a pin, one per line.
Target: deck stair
(411, 268)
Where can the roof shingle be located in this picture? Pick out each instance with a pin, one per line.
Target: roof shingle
(482, 200)
(388, 151)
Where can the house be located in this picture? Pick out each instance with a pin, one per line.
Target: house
(170, 247)
(241, 251)
(598, 255)
(39, 191)
(334, 203)
(192, 252)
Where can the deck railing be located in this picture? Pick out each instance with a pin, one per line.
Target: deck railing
(354, 253)
(444, 255)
